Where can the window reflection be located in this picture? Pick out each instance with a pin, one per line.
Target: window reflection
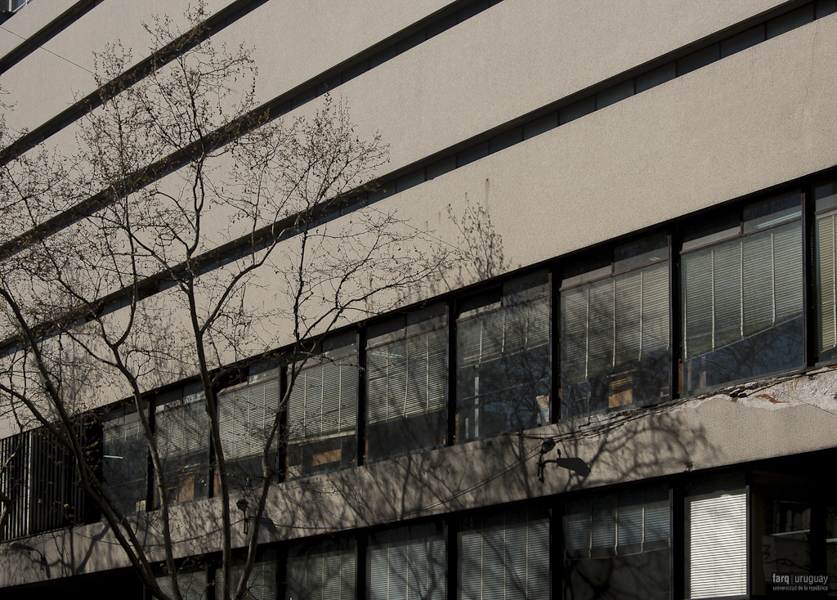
(406, 377)
(742, 298)
(618, 545)
(505, 555)
(182, 441)
(503, 361)
(321, 570)
(125, 459)
(246, 416)
(322, 410)
(615, 331)
(408, 562)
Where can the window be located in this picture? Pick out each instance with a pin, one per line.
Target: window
(125, 459)
(14, 483)
(246, 416)
(503, 360)
(615, 331)
(792, 527)
(505, 556)
(191, 579)
(321, 570)
(183, 443)
(825, 198)
(261, 585)
(407, 564)
(742, 295)
(716, 538)
(406, 377)
(11, 6)
(617, 543)
(39, 476)
(322, 410)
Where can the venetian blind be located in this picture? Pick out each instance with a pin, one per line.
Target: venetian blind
(323, 401)
(505, 558)
(717, 546)
(261, 585)
(503, 332)
(827, 280)
(192, 585)
(624, 523)
(407, 377)
(321, 571)
(408, 569)
(740, 288)
(181, 430)
(246, 416)
(611, 322)
(125, 461)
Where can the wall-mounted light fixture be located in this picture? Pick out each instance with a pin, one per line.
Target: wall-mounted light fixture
(242, 506)
(21, 547)
(576, 465)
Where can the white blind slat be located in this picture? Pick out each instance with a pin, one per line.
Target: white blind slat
(718, 546)
(505, 558)
(826, 279)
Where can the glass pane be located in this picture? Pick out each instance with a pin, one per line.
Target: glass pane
(742, 307)
(504, 556)
(407, 563)
(321, 570)
(615, 342)
(124, 462)
(772, 212)
(503, 365)
(617, 545)
(182, 436)
(825, 196)
(322, 412)
(246, 417)
(716, 545)
(826, 249)
(406, 390)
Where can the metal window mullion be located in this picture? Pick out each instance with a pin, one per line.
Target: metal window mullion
(505, 330)
(772, 274)
(741, 289)
(642, 525)
(481, 328)
(615, 324)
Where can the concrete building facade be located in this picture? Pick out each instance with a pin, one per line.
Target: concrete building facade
(632, 395)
